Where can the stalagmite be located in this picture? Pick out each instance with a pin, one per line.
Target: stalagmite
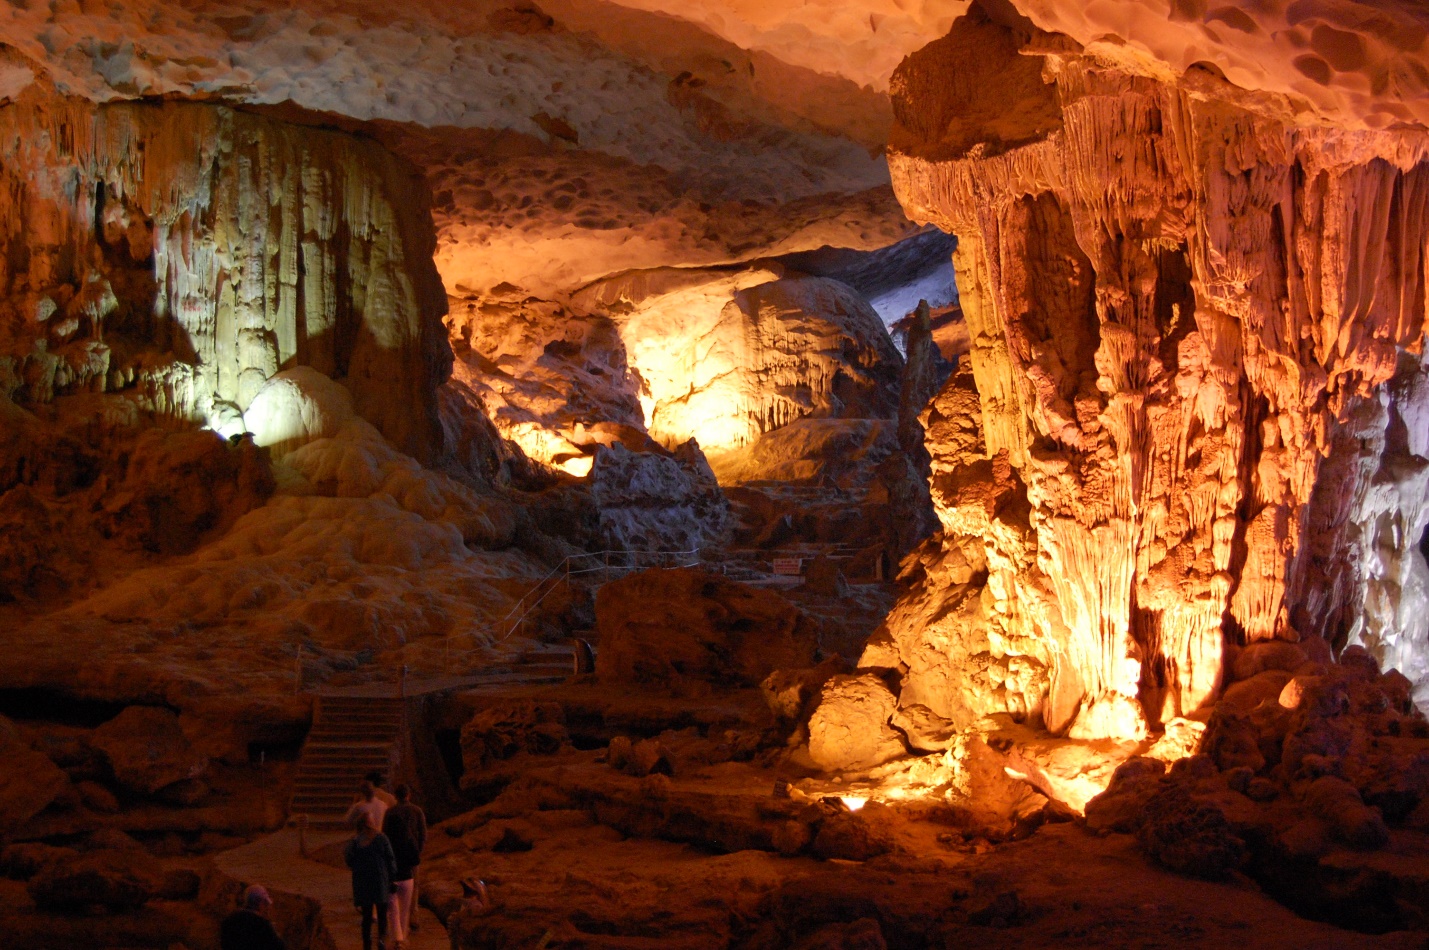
(1196, 362)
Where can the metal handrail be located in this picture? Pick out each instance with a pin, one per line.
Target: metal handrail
(563, 572)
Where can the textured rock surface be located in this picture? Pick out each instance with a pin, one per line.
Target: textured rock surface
(108, 879)
(562, 147)
(850, 730)
(147, 750)
(658, 501)
(723, 357)
(31, 781)
(775, 353)
(1182, 389)
(183, 254)
(660, 627)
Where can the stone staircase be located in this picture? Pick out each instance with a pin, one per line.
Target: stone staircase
(351, 736)
(356, 731)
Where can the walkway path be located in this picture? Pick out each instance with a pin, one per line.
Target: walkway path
(274, 862)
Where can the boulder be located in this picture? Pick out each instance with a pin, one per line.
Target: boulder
(1268, 655)
(1186, 834)
(1180, 739)
(1233, 741)
(660, 626)
(657, 500)
(1134, 783)
(1264, 687)
(510, 728)
(790, 694)
(147, 749)
(646, 757)
(29, 782)
(1337, 803)
(20, 862)
(924, 729)
(113, 880)
(851, 837)
(851, 729)
(97, 798)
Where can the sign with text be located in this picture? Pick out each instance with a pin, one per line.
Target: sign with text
(789, 566)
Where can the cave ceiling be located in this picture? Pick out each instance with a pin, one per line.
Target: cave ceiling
(578, 139)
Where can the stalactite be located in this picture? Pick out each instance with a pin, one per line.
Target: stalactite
(1193, 322)
(192, 251)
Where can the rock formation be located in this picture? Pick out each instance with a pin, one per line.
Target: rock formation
(657, 500)
(663, 627)
(1197, 327)
(723, 357)
(183, 254)
(776, 352)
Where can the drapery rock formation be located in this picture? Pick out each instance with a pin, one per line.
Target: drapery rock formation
(1197, 324)
(184, 254)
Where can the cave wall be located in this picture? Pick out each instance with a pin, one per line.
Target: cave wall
(185, 253)
(1194, 410)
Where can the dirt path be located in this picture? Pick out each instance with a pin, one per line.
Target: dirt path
(275, 863)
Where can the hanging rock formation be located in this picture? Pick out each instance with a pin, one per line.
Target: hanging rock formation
(186, 253)
(1193, 408)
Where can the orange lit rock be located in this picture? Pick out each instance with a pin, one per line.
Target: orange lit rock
(30, 781)
(1179, 389)
(850, 730)
(147, 750)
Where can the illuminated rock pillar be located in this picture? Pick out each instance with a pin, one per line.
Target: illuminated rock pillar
(1184, 310)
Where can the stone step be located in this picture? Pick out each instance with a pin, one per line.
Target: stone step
(332, 766)
(350, 737)
(333, 801)
(322, 736)
(360, 719)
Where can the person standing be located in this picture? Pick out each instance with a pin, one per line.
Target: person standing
(379, 781)
(369, 855)
(405, 825)
(249, 928)
(369, 807)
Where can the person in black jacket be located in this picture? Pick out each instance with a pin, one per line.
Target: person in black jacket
(249, 928)
(369, 855)
(405, 825)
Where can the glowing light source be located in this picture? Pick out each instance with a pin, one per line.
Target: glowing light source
(853, 802)
(577, 465)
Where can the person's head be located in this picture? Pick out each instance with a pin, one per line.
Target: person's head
(364, 823)
(403, 792)
(257, 900)
(367, 789)
(376, 778)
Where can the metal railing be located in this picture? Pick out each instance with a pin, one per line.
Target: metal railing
(572, 566)
(578, 566)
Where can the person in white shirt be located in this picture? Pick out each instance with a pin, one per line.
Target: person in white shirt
(368, 807)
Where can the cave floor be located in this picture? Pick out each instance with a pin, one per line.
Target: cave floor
(275, 860)
(578, 854)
